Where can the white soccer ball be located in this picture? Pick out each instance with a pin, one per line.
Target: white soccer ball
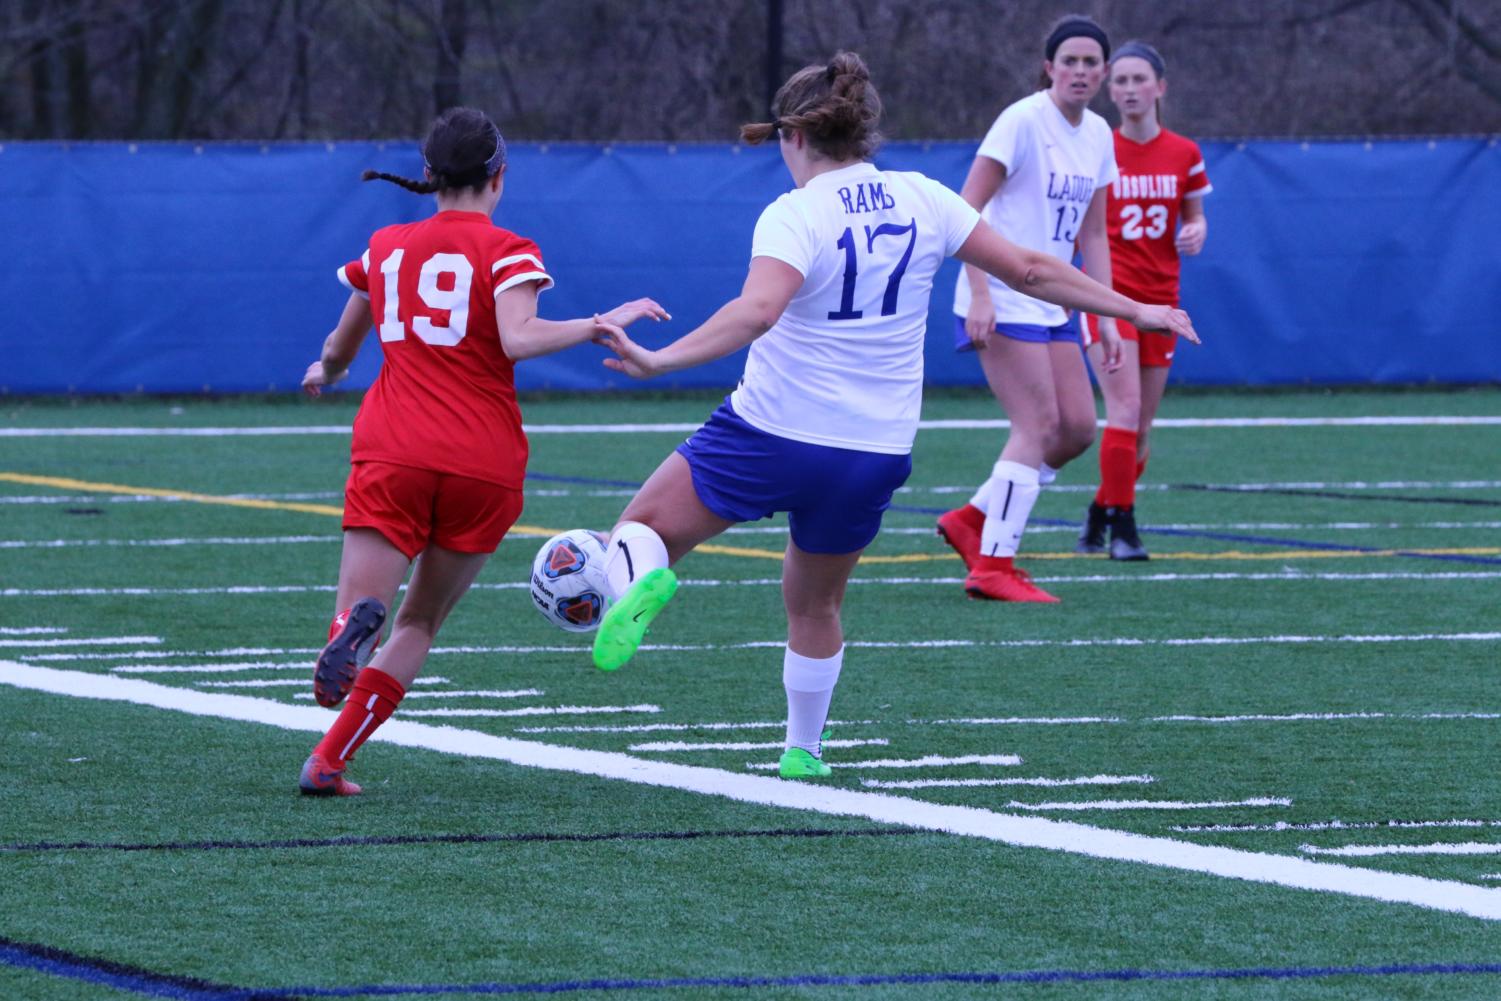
(568, 580)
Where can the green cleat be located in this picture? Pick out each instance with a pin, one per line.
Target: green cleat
(624, 625)
(797, 763)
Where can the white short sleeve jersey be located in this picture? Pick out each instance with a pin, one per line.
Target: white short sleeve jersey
(1052, 171)
(843, 365)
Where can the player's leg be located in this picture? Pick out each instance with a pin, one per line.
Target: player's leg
(386, 524)
(813, 592)
(1125, 539)
(1153, 386)
(1020, 374)
(467, 520)
(663, 522)
(1117, 490)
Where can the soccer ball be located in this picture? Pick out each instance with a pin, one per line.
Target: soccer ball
(568, 580)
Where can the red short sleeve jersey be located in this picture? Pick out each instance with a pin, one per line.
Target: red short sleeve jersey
(445, 399)
(1142, 212)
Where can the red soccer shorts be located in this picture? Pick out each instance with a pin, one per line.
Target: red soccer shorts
(414, 507)
(1156, 347)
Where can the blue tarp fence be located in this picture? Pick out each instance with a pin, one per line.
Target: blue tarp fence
(182, 268)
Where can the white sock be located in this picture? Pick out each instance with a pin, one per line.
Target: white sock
(981, 499)
(1013, 491)
(809, 682)
(634, 550)
(1046, 474)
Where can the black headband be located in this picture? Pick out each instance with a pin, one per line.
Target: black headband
(1141, 50)
(1076, 27)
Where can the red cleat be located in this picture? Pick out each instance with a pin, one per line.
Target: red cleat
(1014, 584)
(321, 779)
(348, 650)
(961, 529)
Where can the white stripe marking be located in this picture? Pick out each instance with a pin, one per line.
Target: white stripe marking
(1084, 780)
(29, 630)
(534, 711)
(1031, 832)
(1438, 848)
(302, 683)
(1330, 825)
(267, 540)
(747, 745)
(1132, 580)
(677, 428)
(514, 693)
(928, 761)
(90, 641)
(1153, 804)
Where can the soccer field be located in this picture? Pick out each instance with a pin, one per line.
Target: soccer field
(1263, 764)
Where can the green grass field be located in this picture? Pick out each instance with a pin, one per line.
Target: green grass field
(1305, 673)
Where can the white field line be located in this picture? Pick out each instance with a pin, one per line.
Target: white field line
(225, 668)
(746, 745)
(1132, 580)
(264, 540)
(89, 641)
(511, 693)
(1153, 804)
(1438, 848)
(1083, 780)
(1022, 831)
(29, 630)
(1490, 875)
(992, 424)
(303, 682)
(927, 761)
(535, 711)
(1116, 641)
(1330, 825)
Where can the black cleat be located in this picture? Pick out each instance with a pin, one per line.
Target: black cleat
(347, 652)
(1092, 535)
(1125, 543)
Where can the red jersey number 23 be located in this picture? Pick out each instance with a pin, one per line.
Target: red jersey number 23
(455, 300)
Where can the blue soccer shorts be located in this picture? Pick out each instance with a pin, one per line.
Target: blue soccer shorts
(834, 497)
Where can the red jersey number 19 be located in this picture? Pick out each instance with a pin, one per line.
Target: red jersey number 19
(454, 301)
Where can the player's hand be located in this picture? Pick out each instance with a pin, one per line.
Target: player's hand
(1111, 345)
(312, 380)
(1190, 238)
(1167, 319)
(628, 313)
(979, 322)
(630, 357)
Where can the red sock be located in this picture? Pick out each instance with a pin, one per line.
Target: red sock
(1117, 468)
(371, 702)
(993, 563)
(973, 517)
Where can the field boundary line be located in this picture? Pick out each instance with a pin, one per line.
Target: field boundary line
(1021, 831)
(680, 427)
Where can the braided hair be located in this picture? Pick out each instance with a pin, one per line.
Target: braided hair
(463, 149)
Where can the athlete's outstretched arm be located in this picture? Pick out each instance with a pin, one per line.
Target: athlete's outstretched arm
(769, 287)
(340, 346)
(1094, 248)
(523, 334)
(1043, 276)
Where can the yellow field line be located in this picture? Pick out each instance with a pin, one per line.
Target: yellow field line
(67, 483)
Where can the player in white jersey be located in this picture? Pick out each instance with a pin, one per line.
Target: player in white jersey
(834, 308)
(1040, 176)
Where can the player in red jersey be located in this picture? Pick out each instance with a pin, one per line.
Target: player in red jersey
(1154, 213)
(438, 454)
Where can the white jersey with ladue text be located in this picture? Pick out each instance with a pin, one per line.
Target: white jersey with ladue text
(1053, 169)
(843, 365)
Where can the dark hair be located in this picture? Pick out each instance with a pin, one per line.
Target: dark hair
(463, 149)
(835, 106)
(1141, 50)
(1066, 27)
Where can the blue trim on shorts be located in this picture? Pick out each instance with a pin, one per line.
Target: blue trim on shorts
(1067, 331)
(834, 497)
